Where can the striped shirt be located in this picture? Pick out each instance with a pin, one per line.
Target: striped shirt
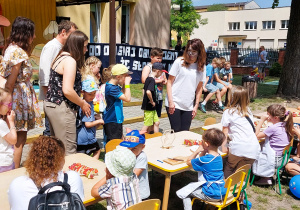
(121, 192)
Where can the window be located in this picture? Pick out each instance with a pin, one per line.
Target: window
(95, 23)
(125, 24)
(285, 24)
(234, 26)
(269, 24)
(251, 25)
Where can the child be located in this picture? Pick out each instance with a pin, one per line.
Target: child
(120, 186)
(135, 141)
(222, 85)
(150, 98)
(86, 132)
(223, 60)
(91, 67)
(210, 185)
(237, 122)
(209, 87)
(277, 137)
(114, 95)
(226, 73)
(8, 133)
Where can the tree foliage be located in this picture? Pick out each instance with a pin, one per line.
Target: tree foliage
(217, 7)
(184, 18)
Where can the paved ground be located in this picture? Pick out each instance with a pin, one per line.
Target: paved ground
(129, 112)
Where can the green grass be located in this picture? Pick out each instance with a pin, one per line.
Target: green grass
(262, 199)
(295, 207)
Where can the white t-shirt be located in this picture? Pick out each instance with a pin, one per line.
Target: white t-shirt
(185, 84)
(243, 142)
(49, 52)
(6, 149)
(142, 163)
(22, 189)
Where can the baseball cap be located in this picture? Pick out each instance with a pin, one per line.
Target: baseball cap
(4, 21)
(136, 139)
(120, 162)
(159, 66)
(120, 69)
(89, 84)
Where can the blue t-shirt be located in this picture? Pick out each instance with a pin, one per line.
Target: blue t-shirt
(225, 72)
(212, 171)
(86, 135)
(209, 72)
(216, 71)
(114, 107)
(264, 53)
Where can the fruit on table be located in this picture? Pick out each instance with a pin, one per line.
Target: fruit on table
(191, 142)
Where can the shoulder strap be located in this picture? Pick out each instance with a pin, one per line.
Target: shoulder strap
(61, 56)
(64, 185)
(251, 123)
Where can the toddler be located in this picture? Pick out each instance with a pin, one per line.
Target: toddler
(117, 90)
(91, 67)
(8, 133)
(277, 137)
(86, 130)
(120, 186)
(226, 73)
(135, 141)
(210, 185)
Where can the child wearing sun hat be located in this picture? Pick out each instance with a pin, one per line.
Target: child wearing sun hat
(120, 186)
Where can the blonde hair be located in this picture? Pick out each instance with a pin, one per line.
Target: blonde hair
(227, 63)
(238, 100)
(217, 61)
(106, 74)
(86, 69)
(223, 60)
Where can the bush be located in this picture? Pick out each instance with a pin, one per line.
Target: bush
(275, 70)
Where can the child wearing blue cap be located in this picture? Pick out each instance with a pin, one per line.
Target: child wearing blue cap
(135, 141)
(86, 126)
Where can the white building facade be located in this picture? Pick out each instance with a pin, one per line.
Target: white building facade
(245, 28)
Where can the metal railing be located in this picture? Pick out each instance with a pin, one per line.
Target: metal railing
(246, 56)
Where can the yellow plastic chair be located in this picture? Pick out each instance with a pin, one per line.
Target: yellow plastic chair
(149, 136)
(233, 182)
(210, 121)
(112, 144)
(152, 204)
(247, 170)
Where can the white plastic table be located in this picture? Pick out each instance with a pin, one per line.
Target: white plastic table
(156, 154)
(7, 177)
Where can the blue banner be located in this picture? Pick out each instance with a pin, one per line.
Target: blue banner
(134, 57)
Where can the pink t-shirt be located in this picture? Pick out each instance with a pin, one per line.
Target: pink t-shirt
(278, 137)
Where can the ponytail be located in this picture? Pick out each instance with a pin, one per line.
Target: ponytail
(289, 125)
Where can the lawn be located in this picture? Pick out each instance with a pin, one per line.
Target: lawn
(260, 197)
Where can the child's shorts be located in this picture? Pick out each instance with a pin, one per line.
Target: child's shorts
(211, 88)
(88, 149)
(150, 117)
(113, 131)
(219, 85)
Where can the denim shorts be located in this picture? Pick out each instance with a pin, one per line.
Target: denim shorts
(211, 88)
(219, 85)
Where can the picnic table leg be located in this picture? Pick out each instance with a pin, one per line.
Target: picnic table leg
(166, 192)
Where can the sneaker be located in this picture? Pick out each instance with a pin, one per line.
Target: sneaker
(202, 108)
(221, 108)
(263, 181)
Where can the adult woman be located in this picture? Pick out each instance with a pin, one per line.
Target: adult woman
(62, 100)
(18, 71)
(186, 78)
(44, 165)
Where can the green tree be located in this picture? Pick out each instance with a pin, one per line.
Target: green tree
(217, 7)
(184, 18)
(289, 83)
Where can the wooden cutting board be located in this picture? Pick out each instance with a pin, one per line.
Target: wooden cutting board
(176, 162)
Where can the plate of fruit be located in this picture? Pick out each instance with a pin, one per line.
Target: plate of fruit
(84, 170)
(264, 125)
(192, 142)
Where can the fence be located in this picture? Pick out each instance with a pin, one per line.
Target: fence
(246, 56)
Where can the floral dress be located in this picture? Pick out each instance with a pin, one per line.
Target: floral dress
(24, 100)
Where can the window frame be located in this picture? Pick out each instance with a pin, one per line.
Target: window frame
(267, 24)
(286, 24)
(254, 25)
(232, 28)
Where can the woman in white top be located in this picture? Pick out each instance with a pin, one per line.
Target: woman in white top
(44, 165)
(243, 147)
(186, 78)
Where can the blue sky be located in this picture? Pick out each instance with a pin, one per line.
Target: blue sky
(261, 3)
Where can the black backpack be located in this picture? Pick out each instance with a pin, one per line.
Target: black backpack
(56, 200)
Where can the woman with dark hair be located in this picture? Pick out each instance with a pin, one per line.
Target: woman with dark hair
(44, 165)
(186, 78)
(17, 70)
(63, 96)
